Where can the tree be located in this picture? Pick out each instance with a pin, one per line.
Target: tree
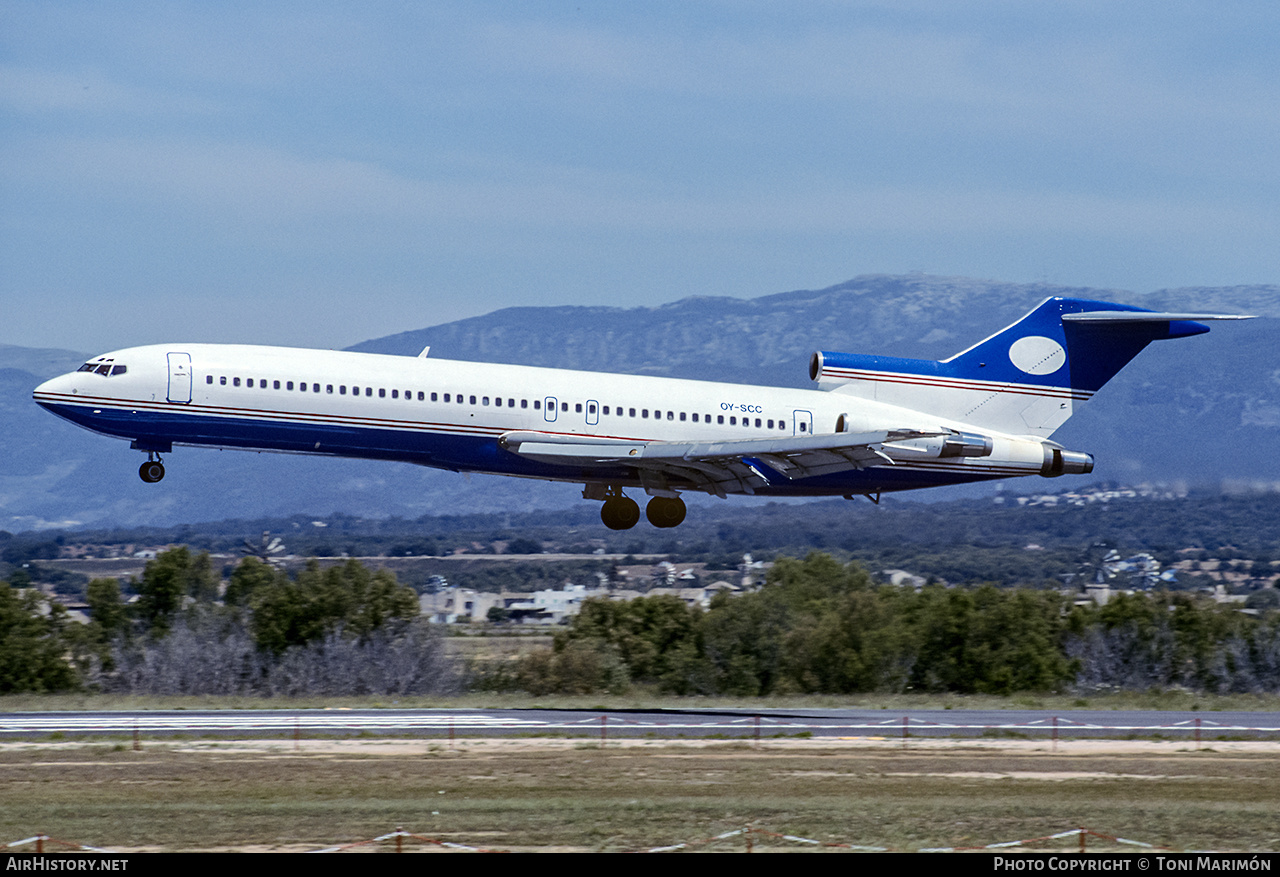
(166, 581)
(288, 613)
(251, 576)
(33, 644)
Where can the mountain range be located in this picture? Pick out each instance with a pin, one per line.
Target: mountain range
(1201, 411)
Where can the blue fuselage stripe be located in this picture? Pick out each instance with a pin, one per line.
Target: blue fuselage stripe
(444, 449)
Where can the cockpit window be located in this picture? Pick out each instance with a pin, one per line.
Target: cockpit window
(103, 367)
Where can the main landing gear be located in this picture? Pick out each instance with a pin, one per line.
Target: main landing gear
(152, 470)
(665, 511)
(620, 512)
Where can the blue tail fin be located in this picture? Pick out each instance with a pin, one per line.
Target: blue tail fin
(1025, 379)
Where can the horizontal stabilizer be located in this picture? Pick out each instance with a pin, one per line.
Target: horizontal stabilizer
(1146, 317)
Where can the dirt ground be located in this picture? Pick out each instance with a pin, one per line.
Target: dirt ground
(556, 793)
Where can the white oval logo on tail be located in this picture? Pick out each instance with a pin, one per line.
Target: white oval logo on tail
(1037, 355)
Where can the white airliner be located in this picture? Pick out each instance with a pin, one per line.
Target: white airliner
(875, 424)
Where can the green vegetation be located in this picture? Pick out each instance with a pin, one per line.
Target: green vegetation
(819, 626)
(342, 630)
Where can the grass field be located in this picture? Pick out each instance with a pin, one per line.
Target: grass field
(558, 793)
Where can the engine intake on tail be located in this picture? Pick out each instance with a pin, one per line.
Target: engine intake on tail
(966, 444)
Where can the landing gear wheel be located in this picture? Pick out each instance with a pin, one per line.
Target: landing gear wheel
(151, 471)
(620, 513)
(665, 511)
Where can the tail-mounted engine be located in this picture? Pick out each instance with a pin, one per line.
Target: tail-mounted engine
(1061, 462)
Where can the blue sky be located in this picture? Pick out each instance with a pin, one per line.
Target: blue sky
(316, 174)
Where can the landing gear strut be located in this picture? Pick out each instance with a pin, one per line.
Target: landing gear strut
(152, 470)
(619, 511)
(665, 511)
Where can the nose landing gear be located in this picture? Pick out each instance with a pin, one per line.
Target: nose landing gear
(152, 470)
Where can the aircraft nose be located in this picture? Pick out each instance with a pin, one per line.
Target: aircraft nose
(51, 389)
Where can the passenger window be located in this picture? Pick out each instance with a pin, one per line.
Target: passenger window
(524, 403)
(235, 382)
(433, 397)
(511, 403)
(382, 392)
(804, 426)
(682, 417)
(633, 412)
(275, 385)
(422, 396)
(757, 423)
(342, 389)
(644, 412)
(302, 387)
(720, 419)
(564, 406)
(473, 400)
(288, 384)
(446, 397)
(671, 415)
(591, 409)
(695, 418)
(733, 421)
(537, 404)
(395, 394)
(577, 408)
(328, 388)
(208, 379)
(484, 400)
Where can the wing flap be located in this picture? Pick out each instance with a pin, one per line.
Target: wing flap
(736, 466)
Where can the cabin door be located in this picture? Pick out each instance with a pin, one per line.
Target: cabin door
(180, 377)
(802, 423)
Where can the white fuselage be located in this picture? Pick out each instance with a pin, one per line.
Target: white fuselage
(451, 414)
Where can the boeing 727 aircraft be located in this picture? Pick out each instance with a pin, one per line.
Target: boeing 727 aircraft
(874, 424)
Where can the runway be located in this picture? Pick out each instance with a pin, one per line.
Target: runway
(656, 723)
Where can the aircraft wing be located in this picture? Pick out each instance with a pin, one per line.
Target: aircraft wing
(726, 467)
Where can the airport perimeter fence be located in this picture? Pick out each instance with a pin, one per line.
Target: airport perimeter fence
(1073, 840)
